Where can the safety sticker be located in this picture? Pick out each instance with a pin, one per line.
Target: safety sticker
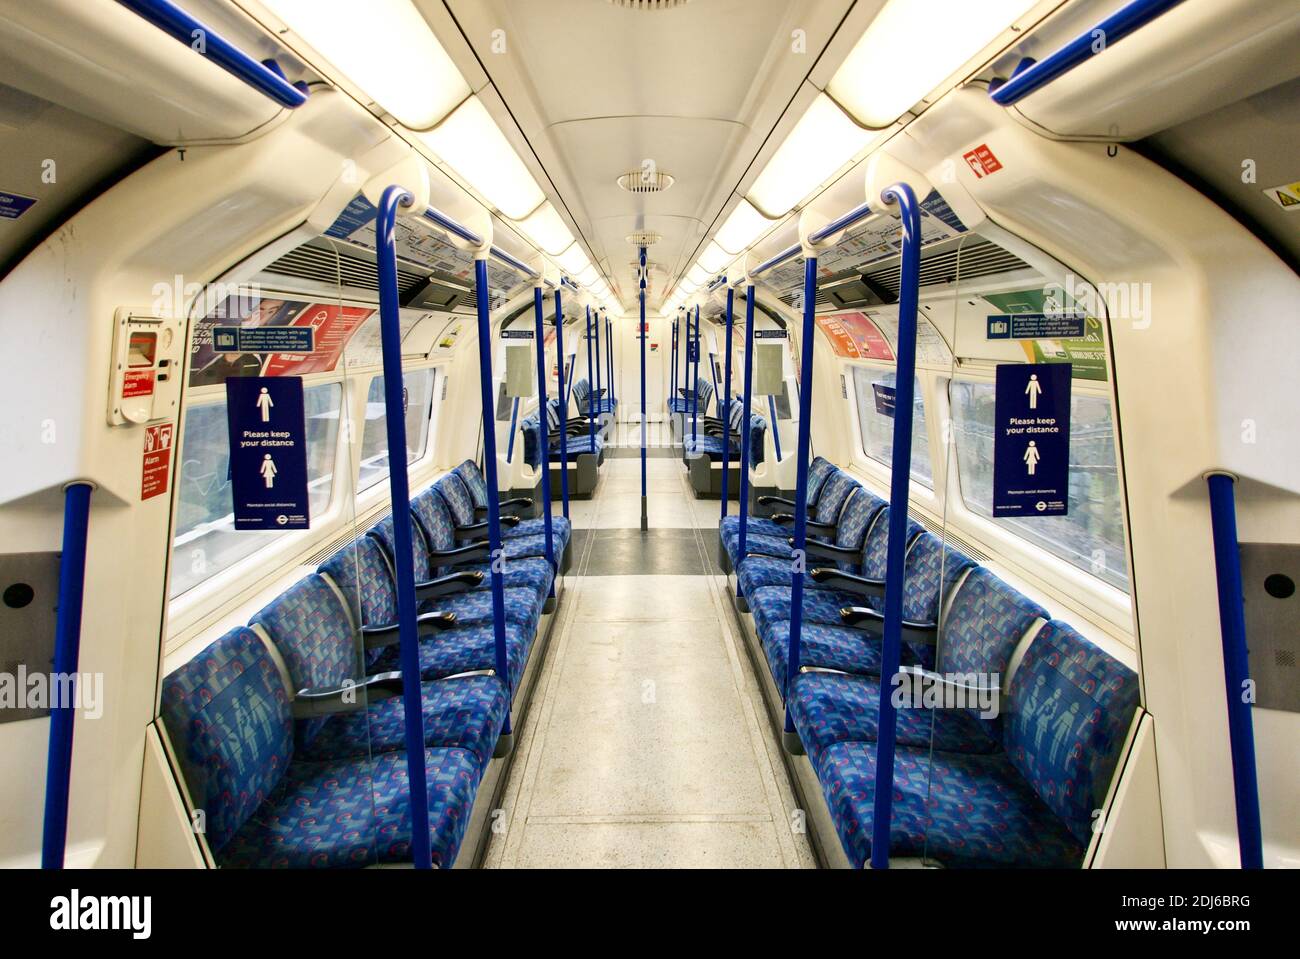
(14, 205)
(137, 383)
(1031, 439)
(1287, 196)
(157, 460)
(982, 161)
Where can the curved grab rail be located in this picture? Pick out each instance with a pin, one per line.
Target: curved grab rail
(263, 77)
(456, 228)
(787, 254)
(899, 488)
(1082, 48)
(400, 493)
(67, 653)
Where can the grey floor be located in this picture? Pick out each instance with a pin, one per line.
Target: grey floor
(647, 745)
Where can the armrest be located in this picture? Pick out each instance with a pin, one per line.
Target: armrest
(766, 553)
(830, 551)
(472, 553)
(326, 701)
(427, 624)
(475, 531)
(519, 502)
(449, 585)
(862, 617)
(776, 501)
(847, 582)
(923, 675)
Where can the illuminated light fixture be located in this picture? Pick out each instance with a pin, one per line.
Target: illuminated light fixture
(742, 228)
(883, 77)
(714, 258)
(823, 140)
(573, 261)
(545, 228)
(698, 275)
(390, 53)
(587, 276)
(688, 286)
(470, 142)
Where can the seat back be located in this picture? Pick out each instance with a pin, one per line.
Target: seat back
(930, 569)
(875, 546)
(985, 623)
(859, 510)
(819, 471)
(227, 716)
(1070, 708)
(703, 393)
(434, 519)
(361, 572)
(834, 493)
(311, 628)
(472, 477)
(384, 534)
(457, 497)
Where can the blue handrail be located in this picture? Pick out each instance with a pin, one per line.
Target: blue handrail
(455, 227)
(539, 332)
(806, 345)
(788, 254)
(842, 223)
(599, 362)
(67, 656)
(642, 335)
(726, 413)
(175, 22)
(609, 361)
(400, 493)
(563, 400)
(510, 261)
(1236, 668)
(745, 431)
(695, 381)
(495, 551)
(514, 420)
(899, 488)
(1082, 48)
(776, 433)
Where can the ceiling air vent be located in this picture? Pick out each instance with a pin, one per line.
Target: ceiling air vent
(645, 181)
(644, 238)
(649, 5)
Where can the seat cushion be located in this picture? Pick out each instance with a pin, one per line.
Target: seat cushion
(462, 713)
(772, 604)
(830, 647)
(561, 531)
(831, 708)
(354, 813)
(474, 608)
(960, 810)
(462, 650)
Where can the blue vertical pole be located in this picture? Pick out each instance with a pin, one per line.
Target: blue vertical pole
(672, 377)
(1236, 668)
(642, 334)
(725, 413)
(609, 360)
(539, 331)
(801, 492)
(899, 487)
(745, 430)
(599, 362)
(564, 405)
(591, 413)
(695, 380)
(67, 657)
(495, 551)
(400, 493)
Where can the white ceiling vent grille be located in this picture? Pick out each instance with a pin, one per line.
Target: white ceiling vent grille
(645, 181)
(649, 6)
(644, 238)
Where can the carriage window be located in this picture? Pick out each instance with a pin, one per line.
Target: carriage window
(874, 389)
(374, 435)
(1091, 535)
(206, 541)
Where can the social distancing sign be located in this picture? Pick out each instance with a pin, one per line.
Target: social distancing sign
(268, 452)
(1031, 443)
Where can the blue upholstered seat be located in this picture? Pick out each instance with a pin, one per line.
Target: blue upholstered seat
(834, 496)
(819, 470)
(1032, 804)
(463, 650)
(227, 715)
(472, 478)
(687, 404)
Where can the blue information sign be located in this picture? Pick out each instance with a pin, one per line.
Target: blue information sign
(268, 452)
(1036, 326)
(516, 334)
(263, 339)
(886, 399)
(1031, 440)
(14, 205)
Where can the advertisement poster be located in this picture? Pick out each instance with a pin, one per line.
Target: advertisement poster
(854, 335)
(1085, 352)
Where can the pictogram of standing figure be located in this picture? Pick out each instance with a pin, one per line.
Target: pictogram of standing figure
(1031, 457)
(268, 470)
(264, 403)
(1034, 389)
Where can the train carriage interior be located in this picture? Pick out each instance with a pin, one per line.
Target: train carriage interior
(852, 434)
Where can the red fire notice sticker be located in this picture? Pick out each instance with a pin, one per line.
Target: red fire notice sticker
(157, 460)
(137, 383)
(982, 161)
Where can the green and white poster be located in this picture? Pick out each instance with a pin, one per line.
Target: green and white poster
(1087, 353)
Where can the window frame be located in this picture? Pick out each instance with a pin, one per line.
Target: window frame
(932, 496)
